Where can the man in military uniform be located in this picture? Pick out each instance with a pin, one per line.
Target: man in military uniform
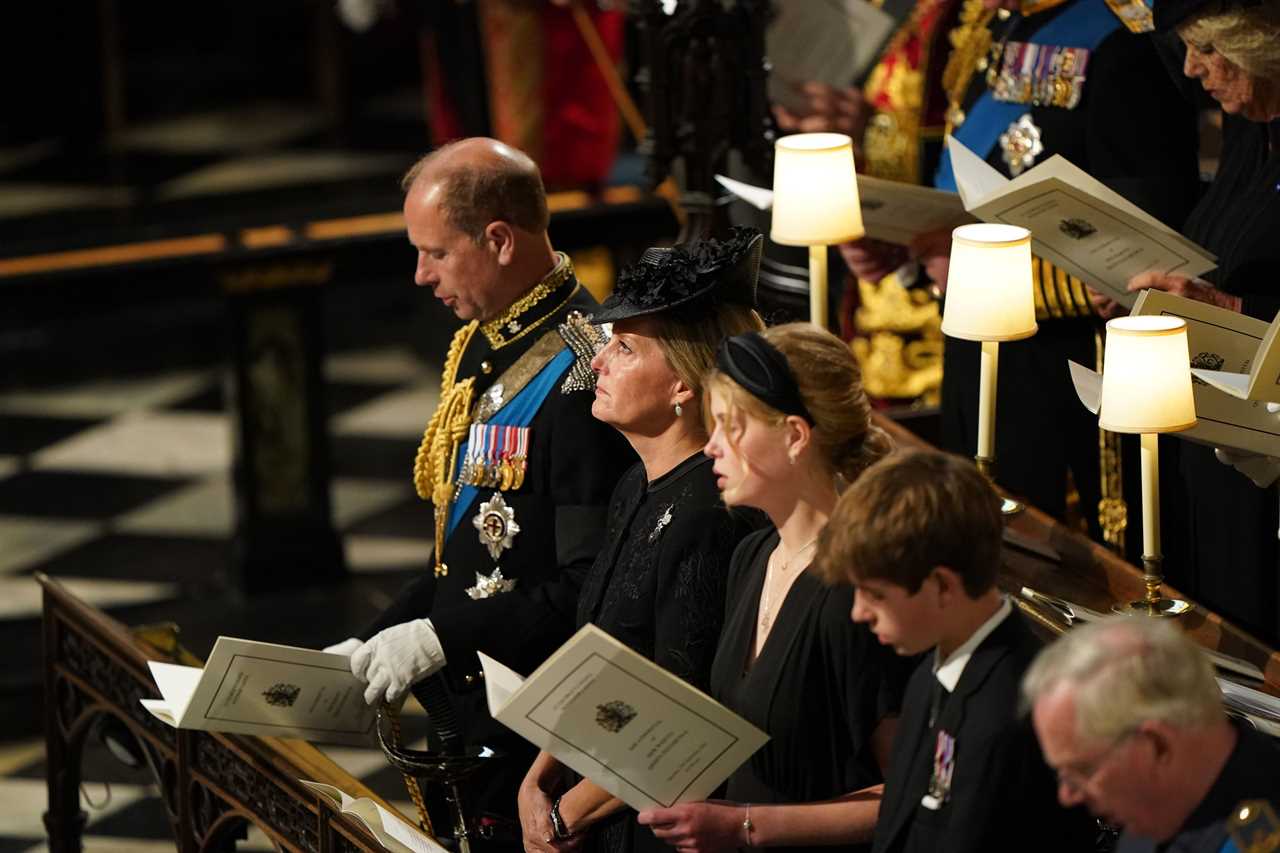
(517, 469)
(1026, 81)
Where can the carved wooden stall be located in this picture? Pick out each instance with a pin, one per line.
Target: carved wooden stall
(213, 785)
(1042, 554)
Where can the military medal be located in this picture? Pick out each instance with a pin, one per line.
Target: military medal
(496, 524)
(944, 767)
(1021, 145)
(488, 586)
(520, 462)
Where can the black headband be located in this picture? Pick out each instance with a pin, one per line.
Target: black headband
(763, 371)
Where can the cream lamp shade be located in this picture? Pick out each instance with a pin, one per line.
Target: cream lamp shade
(815, 191)
(1146, 376)
(989, 290)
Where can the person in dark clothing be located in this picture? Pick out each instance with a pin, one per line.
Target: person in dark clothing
(1130, 717)
(919, 535)
(1232, 562)
(790, 422)
(517, 469)
(658, 584)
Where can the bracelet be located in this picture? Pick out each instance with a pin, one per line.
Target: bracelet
(558, 826)
(747, 826)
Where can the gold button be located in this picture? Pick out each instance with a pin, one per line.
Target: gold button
(982, 63)
(469, 679)
(486, 367)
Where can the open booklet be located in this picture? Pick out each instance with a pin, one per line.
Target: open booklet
(265, 689)
(1259, 376)
(1219, 338)
(1077, 222)
(891, 210)
(622, 721)
(392, 832)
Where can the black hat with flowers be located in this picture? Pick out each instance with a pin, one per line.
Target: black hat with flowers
(694, 277)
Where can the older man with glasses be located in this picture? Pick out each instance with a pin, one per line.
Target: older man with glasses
(1130, 717)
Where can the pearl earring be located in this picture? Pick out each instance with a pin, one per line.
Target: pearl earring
(679, 410)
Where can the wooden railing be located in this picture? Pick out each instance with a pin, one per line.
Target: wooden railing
(213, 785)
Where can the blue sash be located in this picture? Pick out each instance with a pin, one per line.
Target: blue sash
(1085, 23)
(517, 412)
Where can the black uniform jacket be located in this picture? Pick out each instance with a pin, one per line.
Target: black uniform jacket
(1003, 795)
(574, 462)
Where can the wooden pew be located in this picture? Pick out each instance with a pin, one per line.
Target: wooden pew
(213, 785)
(1042, 554)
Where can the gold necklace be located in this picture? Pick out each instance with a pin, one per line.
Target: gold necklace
(506, 328)
(766, 615)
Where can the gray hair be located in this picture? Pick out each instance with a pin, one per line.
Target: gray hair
(1126, 670)
(1248, 37)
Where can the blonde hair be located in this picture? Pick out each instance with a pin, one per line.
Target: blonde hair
(1127, 670)
(690, 346)
(830, 384)
(1249, 38)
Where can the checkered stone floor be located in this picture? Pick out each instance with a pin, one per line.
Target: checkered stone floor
(120, 489)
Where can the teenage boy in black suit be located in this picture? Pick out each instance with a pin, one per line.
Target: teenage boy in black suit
(919, 535)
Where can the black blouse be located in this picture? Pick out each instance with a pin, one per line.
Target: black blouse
(658, 586)
(819, 687)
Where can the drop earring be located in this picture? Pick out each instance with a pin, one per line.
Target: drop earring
(679, 410)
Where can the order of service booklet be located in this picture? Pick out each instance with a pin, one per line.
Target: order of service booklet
(392, 832)
(1215, 337)
(622, 721)
(1258, 378)
(247, 687)
(1077, 222)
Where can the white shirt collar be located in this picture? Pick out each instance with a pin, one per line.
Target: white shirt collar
(949, 671)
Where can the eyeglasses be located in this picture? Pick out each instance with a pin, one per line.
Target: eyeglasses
(1077, 780)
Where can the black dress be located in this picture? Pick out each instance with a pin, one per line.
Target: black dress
(658, 586)
(819, 687)
(1234, 560)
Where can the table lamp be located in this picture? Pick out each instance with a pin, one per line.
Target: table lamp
(815, 203)
(1146, 389)
(989, 299)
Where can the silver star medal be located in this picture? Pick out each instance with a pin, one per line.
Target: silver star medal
(1021, 145)
(488, 586)
(496, 524)
(490, 402)
(585, 340)
(663, 521)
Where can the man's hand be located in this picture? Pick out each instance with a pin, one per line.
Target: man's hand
(396, 658)
(346, 648)
(871, 260)
(830, 110)
(933, 250)
(1262, 470)
(1105, 307)
(1188, 288)
(698, 827)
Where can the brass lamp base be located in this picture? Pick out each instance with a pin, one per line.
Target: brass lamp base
(1153, 604)
(1008, 505)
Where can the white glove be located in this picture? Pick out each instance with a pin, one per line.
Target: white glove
(396, 658)
(1262, 470)
(346, 648)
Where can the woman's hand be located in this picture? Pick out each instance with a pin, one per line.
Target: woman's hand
(534, 802)
(704, 827)
(933, 250)
(1188, 288)
(1106, 307)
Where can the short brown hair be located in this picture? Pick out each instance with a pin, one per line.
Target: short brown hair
(690, 345)
(506, 189)
(908, 514)
(830, 384)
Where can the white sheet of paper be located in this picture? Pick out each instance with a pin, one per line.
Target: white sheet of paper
(898, 212)
(266, 689)
(1077, 222)
(757, 197)
(622, 721)
(1260, 377)
(1235, 384)
(830, 41)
